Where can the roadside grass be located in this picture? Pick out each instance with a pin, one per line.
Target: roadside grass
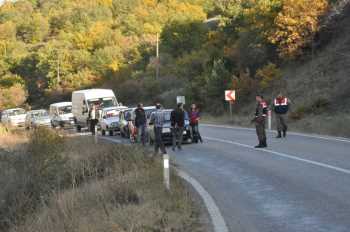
(11, 139)
(60, 184)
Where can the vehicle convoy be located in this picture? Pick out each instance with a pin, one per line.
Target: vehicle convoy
(167, 133)
(83, 100)
(110, 119)
(13, 117)
(37, 118)
(61, 114)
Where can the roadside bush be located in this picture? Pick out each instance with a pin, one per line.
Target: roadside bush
(59, 184)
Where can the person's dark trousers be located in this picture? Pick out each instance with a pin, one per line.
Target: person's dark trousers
(93, 123)
(195, 133)
(177, 134)
(141, 137)
(261, 133)
(159, 141)
(281, 124)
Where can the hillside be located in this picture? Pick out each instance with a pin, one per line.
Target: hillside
(50, 48)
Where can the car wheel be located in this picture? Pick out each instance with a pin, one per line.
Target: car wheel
(103, 132)
(110, 133)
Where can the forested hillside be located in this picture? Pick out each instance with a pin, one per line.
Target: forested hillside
(50, 47)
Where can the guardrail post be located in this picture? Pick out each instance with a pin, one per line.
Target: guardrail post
(166, 171)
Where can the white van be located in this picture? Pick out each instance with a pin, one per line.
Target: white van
(61, 114)
(13, 117)
(83, 100)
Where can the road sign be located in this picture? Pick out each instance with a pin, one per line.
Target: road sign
(230, 95)
(180, 99)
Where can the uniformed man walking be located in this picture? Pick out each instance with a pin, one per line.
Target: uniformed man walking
(260, 120)
(281, 107)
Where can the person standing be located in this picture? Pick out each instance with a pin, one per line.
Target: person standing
(260, 121)
(141, 124)
(281, 107)
(157, 119)
(194, 123)
(177, 119)
(93, 118)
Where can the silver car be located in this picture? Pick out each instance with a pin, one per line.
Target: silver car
(110, 119)
(36, 118)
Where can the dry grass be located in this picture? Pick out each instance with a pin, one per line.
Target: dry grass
(74, 185)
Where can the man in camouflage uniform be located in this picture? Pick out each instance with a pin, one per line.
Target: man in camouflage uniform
(260, 121)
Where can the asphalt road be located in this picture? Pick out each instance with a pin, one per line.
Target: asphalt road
(297, 184)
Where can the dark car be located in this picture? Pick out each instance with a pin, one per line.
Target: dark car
(166, 133)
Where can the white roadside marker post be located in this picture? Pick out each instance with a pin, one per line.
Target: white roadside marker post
(166, 171)
(96, 136)
(269, 118)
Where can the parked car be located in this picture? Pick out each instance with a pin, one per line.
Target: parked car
(61, 114)
(83, 100)
(167, 133)
(127, 127)
(13, 117)
(36, 118)
(127, 122)
(110, 119)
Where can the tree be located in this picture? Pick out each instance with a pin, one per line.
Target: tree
(296, 25)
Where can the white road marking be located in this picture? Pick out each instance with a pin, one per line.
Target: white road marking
(346, 171)
(329, 138)
(214, 211)
(110, 139)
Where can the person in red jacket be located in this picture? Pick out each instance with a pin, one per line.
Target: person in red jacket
(281, 107)
(194, 123)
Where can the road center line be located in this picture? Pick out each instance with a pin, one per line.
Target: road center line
(346, 171)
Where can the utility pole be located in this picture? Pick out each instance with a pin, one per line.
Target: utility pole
(157, 56)
(58, 70)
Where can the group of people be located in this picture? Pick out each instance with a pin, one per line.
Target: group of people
(177, 119)
(280, 108)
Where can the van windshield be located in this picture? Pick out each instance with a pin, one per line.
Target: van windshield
(65, 110)
(103, 102)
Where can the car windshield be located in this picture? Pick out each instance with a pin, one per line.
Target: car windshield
(65, 110)
(40, 114)
(111, 113)
(17, 112)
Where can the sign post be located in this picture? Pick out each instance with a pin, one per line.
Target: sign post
(230, 96)
(180, 99)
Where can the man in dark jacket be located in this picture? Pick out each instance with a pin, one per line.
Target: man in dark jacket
(177, 119)
(141, 123)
